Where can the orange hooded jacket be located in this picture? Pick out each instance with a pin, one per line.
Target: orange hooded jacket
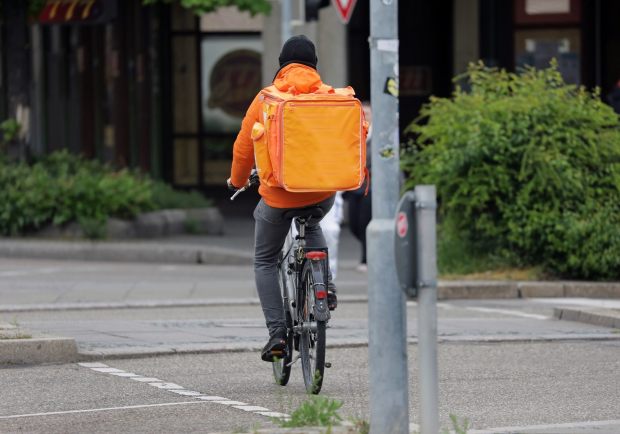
(305, 79)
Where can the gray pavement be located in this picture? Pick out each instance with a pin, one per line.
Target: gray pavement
(31, 282)
(503, 363)
(156, 331)
(162, 309)
(493, 385)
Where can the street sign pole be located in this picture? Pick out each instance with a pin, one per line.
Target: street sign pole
(426, 240)
(389, 400)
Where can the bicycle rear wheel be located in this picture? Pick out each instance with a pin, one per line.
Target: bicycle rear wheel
(312, 337)
(281, 367)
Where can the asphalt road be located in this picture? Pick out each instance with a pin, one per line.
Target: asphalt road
(502, 363)
(30, 282)
(493, 385)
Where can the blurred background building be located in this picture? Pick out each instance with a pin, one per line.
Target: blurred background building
(164, 90)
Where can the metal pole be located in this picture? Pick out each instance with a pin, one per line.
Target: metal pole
(286, 20)
(389, 400)
(426, 205)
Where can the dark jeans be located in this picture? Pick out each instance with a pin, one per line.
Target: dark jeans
(269, 236)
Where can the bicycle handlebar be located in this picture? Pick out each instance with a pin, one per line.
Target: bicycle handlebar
(252, 180)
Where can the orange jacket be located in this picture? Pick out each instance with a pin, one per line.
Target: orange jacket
(305, 79)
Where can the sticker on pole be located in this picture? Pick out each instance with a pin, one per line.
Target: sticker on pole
(402, 225)
(345, 9)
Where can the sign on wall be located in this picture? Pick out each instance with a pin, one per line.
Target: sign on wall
(231, 78)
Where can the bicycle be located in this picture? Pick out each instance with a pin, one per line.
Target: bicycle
(303, 281)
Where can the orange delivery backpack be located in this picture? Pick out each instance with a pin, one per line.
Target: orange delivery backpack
(310, 142)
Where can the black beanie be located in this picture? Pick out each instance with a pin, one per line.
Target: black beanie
(298, 49)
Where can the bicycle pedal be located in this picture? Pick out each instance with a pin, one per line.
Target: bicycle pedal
(328, 365)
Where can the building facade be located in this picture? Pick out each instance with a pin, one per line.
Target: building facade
(160, 89)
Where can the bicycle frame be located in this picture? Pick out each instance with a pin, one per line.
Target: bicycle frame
(293, 261)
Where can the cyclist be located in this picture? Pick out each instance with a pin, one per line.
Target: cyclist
(298, 63)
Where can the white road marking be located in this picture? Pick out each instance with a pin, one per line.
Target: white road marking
(108, 370)
(186, 392)
(273, 414)
(511, 429)
(145, 379)
(94, 365)
(229, 402)
(166, 386)
(92, 410)
(251, 408)
(507, 312)
(179, 390)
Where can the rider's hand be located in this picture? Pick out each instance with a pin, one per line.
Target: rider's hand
(230, 186)
(253, 180)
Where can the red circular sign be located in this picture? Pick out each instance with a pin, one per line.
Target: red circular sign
(402, 224)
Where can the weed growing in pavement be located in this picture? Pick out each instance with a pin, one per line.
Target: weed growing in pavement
(459, 427)
(361, 426)
(14, 333)
(17, 335)
(316, 411)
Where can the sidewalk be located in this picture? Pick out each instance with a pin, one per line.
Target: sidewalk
(235, 248)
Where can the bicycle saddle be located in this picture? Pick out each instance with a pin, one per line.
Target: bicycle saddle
(313, 212)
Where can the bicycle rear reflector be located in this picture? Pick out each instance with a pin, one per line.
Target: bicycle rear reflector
(321, 294)
(316, 255)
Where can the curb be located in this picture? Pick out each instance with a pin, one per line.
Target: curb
(150, 304)
(448, 290)
(48, 349)
(244, 347)
(304, 430)
(137, 251)
(595, 316)
(247, 347)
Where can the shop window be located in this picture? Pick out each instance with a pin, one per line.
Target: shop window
(537, 47)
(546, 30)
(186, 162)
(231, 78)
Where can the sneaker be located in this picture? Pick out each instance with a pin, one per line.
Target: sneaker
(362, 268)
(276, 347)
(332, 299)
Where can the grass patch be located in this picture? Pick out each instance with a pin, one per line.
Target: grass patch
(316, 411)
(17, 335)
(458, 260)
(533, 273)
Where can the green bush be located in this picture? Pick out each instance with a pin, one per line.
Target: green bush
(527, 168)
(166, 197)
(63, 188)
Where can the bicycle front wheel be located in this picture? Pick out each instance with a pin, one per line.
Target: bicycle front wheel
(312, 337)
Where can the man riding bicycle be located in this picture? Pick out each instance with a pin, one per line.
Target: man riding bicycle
(297, 69)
